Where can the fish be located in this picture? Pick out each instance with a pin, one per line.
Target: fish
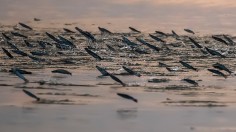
(28, 44)
(190, 81)
(17, 73)
(163, 65)
(36, 58)
(117, 79)
(217, 72)
(189, 31)
(42, 44)
(25, 26)
(88, 35)
(229, 40)
(140, 51)
(148, 45)
(96, 56)
(220, 40)
(103, 30)
(21, 71)
(188, 65)
(131, 72)
(129, 43)
(62, 71)
(37, 19)
(213, 52)
(110, 48)
(31, 94)
(195, 43)
(126, 96)
(18, 35)
(66, 41)
(134, 30)
(171, 69)
(221, 67)
(68, 30)
(175, 34)
(7, 53)
(39, 53)
(161, 33)
(6, 37)
(156, 38)
(102, 70)
(19, 52)
(12, 45)
(53, 37)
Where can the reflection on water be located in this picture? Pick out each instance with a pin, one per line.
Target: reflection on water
(205, 16)
(130, 113)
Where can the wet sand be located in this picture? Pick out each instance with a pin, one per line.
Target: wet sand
(87, 102)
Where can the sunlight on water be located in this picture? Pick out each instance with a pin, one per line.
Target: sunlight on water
(206, 16)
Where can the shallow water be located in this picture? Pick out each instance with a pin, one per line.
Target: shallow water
(88, 102)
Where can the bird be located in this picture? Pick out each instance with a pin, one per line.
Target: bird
(126, 96)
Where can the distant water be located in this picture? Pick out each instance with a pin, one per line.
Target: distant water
(204, 16)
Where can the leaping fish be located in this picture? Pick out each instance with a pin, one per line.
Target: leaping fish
(103, 30)
(188, 65)
(221, 67)
(62, 71)
(217, 72)
(102, 70)
(7, 53)
(130, 71)
(195, 42)
(25, 26)
(96, 56)
(17, 73)
(126, 96)
(117, 79)
(134, 30)
(189, 31)
(190, 81)
(31, 94)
